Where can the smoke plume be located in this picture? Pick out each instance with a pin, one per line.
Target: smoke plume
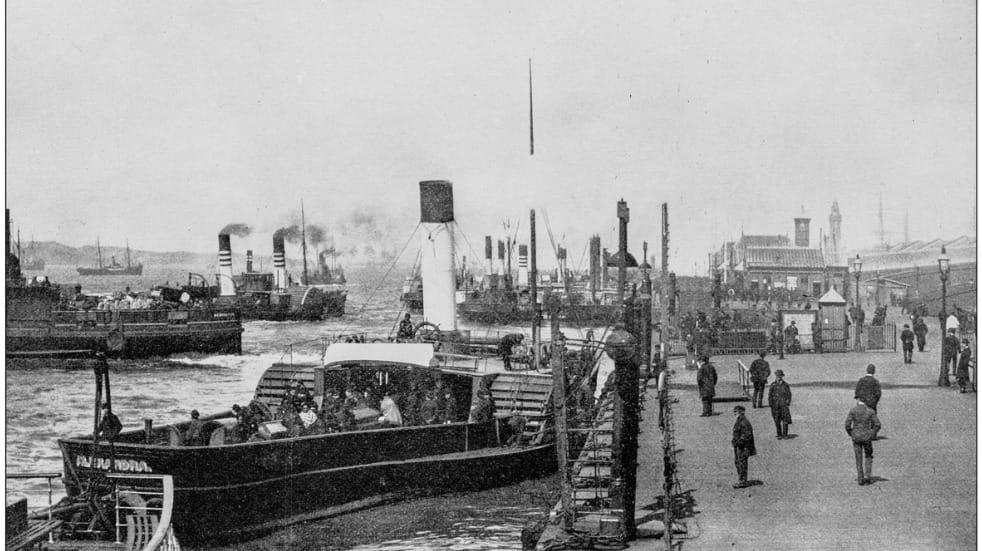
(290, 234)
(238, 230)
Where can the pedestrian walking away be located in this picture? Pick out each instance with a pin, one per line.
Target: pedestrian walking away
(961, 374)
(760, 370)
(862, 424)
(868, 388)
(706, 379)
(907, 338)
(920, 331)
(743, 445)
(779, 398)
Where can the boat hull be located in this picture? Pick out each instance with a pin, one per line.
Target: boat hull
(243, 490)
(143, 334)
(131, 270)
(511, 313)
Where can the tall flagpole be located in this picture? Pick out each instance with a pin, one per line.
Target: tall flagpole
(531, 133)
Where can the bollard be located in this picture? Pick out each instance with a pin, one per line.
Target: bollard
(623, 349)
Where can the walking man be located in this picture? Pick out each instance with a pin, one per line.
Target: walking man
(868, 388)
(961, 374)
(779, 398)
(743, 445)
(907, 338)
(760, 370)
(920, 331)
(706, 379)
(862, 424)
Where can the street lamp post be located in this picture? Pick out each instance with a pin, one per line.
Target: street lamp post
(943, 266)
(857, 268)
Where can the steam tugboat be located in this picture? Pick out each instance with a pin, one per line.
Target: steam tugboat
(275, 296)
(42, 316)
(267, 468)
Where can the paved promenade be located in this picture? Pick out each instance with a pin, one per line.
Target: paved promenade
(924, 494)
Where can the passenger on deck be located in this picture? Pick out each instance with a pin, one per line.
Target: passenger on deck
(406, 331)
(505, 346)
(429, 410)
(411, 405)
(109, 426)
(193, 434)
(516, 426)
(448, 407)
(245, 423)
(482, 409)
(307, 416)
(390, 412)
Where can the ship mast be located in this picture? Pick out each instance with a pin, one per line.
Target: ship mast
(98, 251)
(534, 290)
(127, 254)
(303, 243)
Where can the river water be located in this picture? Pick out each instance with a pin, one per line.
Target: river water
(50, 400)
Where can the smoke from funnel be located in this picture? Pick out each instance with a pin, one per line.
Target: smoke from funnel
(316, 234)
(291, 233)
(238, 230)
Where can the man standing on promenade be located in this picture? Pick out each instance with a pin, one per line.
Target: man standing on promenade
(779, 398)
(760, 370)
(907, 338)
(862, 424)
(868, 388)
(961, 374)
(706, 379)
(743, 445)
(950, 351)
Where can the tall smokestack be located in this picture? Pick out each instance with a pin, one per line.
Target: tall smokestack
(226, 287)
(488, 255)
(801, 231)
(501, 257)
(249, 261)
(523, 265)
(437, 253)
(279, 262)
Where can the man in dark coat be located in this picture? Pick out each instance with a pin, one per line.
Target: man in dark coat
(961, 373)
(109, 426)
(920, 331)
(779, 398)
(194, 434)
(706, 379)
(950, 351)
(505, 346)
(743, 445)
(760, 370)
(406, 330)
(907, 338)
(868, 388)
(862, 424)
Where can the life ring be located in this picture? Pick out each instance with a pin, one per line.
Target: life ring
(115, 341)
(134, 502)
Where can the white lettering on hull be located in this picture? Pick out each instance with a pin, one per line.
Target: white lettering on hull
(121, 465)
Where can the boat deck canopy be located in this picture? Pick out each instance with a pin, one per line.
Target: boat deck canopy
(415, 354)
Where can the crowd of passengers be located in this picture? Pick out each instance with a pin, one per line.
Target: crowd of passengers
(299, 413)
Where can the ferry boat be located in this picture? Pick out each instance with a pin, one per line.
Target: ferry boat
(43, 316)
(227, 489)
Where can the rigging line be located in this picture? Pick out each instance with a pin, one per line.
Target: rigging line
(464, 235)
(386, 274)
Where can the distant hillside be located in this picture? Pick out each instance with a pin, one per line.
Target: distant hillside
(56, 253)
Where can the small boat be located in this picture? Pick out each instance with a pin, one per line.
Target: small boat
(237, 476)
(114, 267)
(118, 509)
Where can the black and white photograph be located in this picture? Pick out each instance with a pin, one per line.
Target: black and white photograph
(472, 276)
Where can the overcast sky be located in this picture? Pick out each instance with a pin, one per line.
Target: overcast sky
(161, 122)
